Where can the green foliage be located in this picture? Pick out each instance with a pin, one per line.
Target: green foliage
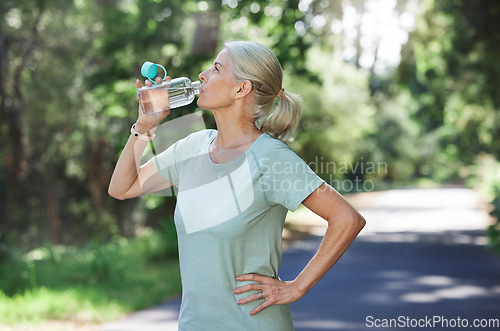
(271, 23)
(77, 88)
(158, 245)
(98, 282)
(337, 116)
(448, 66)
(77, 93)
(493, 231)
(80, 304)
(15, 275)
(397, 140)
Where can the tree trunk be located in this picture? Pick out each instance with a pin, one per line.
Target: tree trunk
(98, 179)
(357, 44)
(206, 36)
(12, 107)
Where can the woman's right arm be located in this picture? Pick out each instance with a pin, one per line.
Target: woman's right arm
(130, 179)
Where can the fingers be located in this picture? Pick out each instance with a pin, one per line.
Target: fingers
(261, 307)
(149, 83)
(155, 117)
(251, 298)
(245, 288)
(261, 282)
(263, 287)
(253, 277)
(249, 287)
(268, 301)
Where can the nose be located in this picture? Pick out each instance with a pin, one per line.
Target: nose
(202, 76)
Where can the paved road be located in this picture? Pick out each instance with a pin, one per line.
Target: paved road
(421, 259)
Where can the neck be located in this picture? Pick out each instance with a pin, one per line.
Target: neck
(234, 130)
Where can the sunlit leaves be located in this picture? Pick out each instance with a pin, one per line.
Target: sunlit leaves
(337, 114)
(454, 49)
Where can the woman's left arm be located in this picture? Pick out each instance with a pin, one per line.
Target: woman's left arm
(344, 224)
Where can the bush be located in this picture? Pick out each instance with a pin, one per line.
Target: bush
(15, 274)
(100, 282)
(494, 230)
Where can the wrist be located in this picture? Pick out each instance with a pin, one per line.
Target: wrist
(141, 133)
(143, 129)
(300, 287)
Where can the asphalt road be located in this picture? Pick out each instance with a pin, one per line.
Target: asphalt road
(421, 261)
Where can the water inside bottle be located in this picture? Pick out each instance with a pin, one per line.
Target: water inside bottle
(155, 100)
(181, 96)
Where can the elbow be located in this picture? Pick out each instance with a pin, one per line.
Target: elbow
(355, 224)
(114, 194)
(352, 223)
(359, 222)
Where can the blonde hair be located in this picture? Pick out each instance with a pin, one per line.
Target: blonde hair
(258, 64)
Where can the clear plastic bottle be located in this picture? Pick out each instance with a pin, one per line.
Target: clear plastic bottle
(175, 93)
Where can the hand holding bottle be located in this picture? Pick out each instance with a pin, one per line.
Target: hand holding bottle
(159, 96)
(157, 99)
(175, 93)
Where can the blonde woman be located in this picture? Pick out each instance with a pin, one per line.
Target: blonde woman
(235, 186)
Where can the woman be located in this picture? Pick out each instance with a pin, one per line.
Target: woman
(235, 186)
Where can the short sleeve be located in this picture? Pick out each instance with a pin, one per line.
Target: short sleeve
(169, 162)
(286, 179)
(166, 164)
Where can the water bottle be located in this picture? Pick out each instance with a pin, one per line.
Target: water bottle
(175, 93)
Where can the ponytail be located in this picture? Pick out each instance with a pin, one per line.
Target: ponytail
(281, 122)
(258, 64)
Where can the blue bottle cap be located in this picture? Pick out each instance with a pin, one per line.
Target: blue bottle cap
(150, 70)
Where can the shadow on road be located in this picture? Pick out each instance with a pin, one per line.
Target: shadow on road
(415, 275)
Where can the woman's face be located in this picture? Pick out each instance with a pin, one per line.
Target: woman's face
(219, 86)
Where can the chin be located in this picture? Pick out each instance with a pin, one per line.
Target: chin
(201, 105)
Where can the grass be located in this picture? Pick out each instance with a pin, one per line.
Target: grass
(91, 284)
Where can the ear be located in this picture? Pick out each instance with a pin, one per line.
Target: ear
(245, 87)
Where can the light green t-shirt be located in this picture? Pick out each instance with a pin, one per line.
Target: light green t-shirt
(229, 219)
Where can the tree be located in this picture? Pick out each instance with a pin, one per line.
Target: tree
(68, 100)
(450, 67)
